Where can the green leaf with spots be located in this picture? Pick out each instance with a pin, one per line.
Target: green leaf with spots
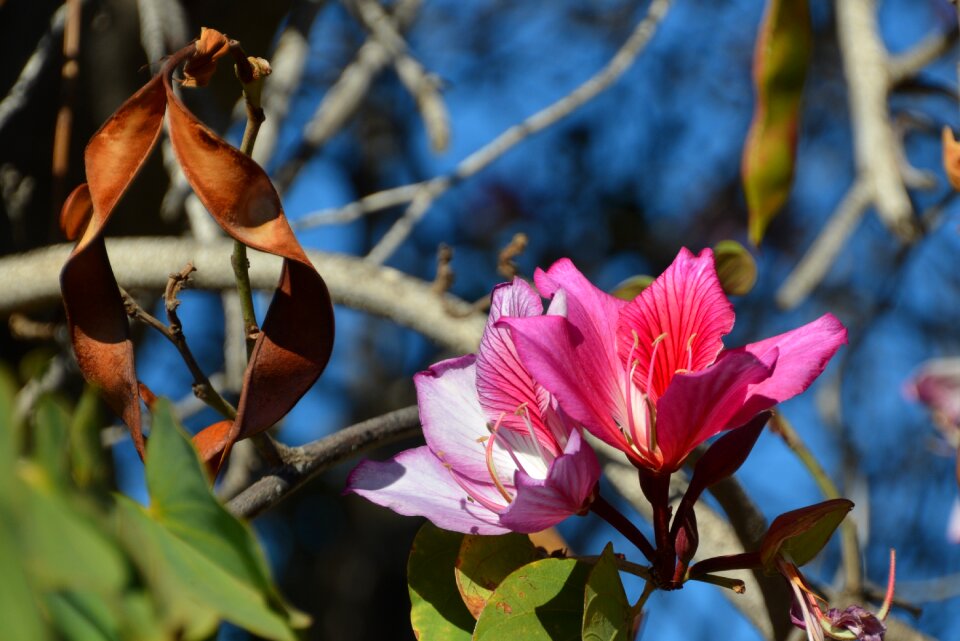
(485, 561)
(437, 612)
(606, 612)
(780, 64)
(542, 601)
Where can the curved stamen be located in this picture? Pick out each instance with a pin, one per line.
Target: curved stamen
(491, 468)
(523, 412)
(648, 406)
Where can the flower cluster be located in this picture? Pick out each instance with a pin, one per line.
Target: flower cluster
(651, 377)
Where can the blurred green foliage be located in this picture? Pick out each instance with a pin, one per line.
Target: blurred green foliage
(83, 563)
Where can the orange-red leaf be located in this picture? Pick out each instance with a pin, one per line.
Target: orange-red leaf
(211, 46)
(951, 157)
(296, 338)
(95, 315)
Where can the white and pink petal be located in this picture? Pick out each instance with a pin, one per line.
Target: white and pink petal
(416, 483)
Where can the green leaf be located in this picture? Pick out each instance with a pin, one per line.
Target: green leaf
(606, 612)
(51, 438)
(182, 502)
(62, 547)
(193, 591)
(82, 616)
(9, 441)
(780, 65)
(542, 601)
(437, 613)
(485, 561)
(798, 536)
(90, 470)
(18, 610)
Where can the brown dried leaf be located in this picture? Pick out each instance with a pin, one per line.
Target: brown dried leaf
(951, 157)
(95, 315)
(296, 338)
(211, 46)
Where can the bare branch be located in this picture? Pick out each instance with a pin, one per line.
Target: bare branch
(907, 64)
(867, 69)
(310, 460)
(17, 97)
(343, 98)
(31, 280)
(539, 121)
(423, 86)
(826, 247)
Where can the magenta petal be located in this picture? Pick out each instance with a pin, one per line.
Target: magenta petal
(696, 406)
(503, 385)
(416, 483)
(558, 356)
(542, 503)
(591, 310)
(803, 354)
(687, 308)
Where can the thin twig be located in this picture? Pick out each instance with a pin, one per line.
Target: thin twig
(850, 546)
(423, 86)
(539, 121)
(344, 97)
(906, 65)
(18, 95)
(310, 460)
(252, 80)
(829, 243)
(202, 388)
(69, 75)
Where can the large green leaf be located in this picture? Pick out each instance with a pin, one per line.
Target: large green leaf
(63, 547)
(192, 590)
(82, 616)
(181, 500)
(485, 561)
(19, 614)
(9, 442)
(798, 536)
(182, 503)
(90, 470)
(437, 613)
(606, 611)
(542, 601)
(780, 65)
(51, 439)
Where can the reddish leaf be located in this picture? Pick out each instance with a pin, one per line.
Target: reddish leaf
(801, 534)
(297, 335)
(95, 315)
(951, 157)
(725, 455)
(779, 69)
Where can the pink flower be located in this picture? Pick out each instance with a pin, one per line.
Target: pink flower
(651, 376)
(500, 454)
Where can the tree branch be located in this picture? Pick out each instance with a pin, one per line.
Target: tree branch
(431, 189)
(310, 460)
(31, 280)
